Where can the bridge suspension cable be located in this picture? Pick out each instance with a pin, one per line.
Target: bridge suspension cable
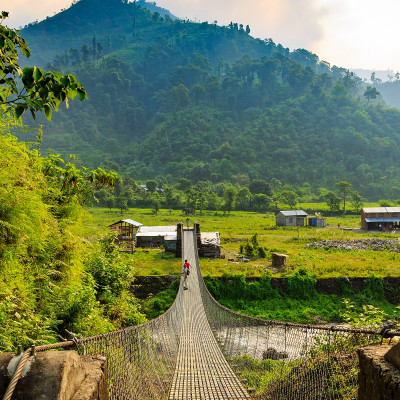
(193, 350)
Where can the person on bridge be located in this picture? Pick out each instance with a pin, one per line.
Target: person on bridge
(185, 272)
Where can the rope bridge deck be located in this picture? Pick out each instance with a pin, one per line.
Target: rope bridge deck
(202, 371)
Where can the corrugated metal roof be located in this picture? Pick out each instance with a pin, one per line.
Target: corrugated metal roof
(375, 210)
(147, 231)
(210, 238)
(154, 229)
(393, 219)
(294, 213)
(171, 237)
(128, 221)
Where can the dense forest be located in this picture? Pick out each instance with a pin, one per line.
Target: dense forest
(171, 99)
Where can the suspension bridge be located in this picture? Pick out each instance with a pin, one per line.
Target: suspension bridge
(197, 349)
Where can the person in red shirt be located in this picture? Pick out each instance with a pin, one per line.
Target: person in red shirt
(185, 272)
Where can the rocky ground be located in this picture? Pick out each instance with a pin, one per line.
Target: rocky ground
(364, 244)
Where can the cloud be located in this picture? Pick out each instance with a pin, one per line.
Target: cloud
(293, 23)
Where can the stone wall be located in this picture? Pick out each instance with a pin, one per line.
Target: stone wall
(378, 378)
(58, 375)
(144, 286)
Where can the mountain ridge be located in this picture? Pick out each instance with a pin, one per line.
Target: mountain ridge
(210, 94)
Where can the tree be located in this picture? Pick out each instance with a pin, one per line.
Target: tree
(243, 198)
(344, 189)
(332, 200)
(151, 186)
(155, 203)
(261, 202)
(260, 186)
(180, 96)
(230, 194)
(357, 201)
(122, 203)
(41, 91)
(371, 93)
(184, 184)
(190, 203)
(202, 191)
(290, 198)
(197, 92)
(109, 201)
(74, 185)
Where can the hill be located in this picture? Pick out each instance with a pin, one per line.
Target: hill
(171, 98)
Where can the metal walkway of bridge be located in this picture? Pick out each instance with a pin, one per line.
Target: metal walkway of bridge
(202, 371)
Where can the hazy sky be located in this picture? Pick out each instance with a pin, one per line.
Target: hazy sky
(348, 33)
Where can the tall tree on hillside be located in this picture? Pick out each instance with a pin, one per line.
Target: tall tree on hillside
(180, 96)
(371, 93)
(344, 189)
(85, 53)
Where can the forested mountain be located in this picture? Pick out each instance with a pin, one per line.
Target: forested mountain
(170, 98)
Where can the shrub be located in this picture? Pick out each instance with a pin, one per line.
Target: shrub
(301, 285)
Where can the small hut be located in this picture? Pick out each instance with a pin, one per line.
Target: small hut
(125, 230)
(316, 220)
(210, 244)
(291, 218)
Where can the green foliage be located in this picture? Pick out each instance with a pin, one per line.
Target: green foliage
(45, 286)
(112, 282)
(332, 200)
(370, 317)
(373, 288)
(41, 91)
(157, 305)
(385, 203)
(252, 249)
(301, 285)
(290, 198)
(235, 287)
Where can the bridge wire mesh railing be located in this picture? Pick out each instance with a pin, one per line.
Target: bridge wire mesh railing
(141, 359)
(299, 361)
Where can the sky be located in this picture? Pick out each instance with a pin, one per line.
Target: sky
(346, 33)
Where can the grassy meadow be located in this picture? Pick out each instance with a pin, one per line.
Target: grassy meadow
(238, 227)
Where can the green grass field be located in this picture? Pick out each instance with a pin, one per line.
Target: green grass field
(238, 227)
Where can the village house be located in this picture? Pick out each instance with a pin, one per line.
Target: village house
(380, 218)
(291, 218)
(155, 236)
(125, 231)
